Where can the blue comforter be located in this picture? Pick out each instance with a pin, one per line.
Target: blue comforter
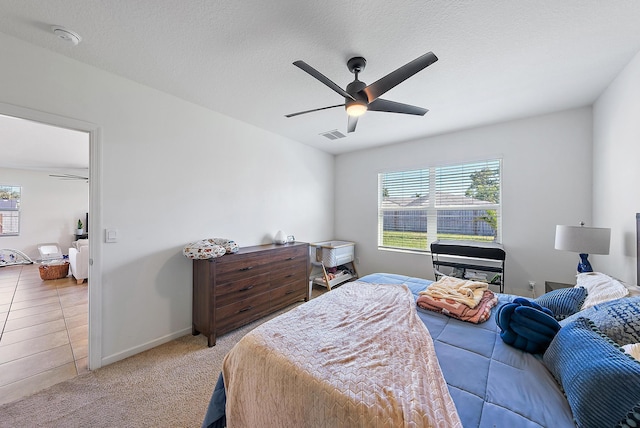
(492, 384)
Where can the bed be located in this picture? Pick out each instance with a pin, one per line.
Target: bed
(474, 378)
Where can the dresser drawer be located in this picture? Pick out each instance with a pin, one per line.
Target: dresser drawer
(242, 312)
(287, 294)
(287, 272)
(241, 267)
(230, 292)
(298, 253)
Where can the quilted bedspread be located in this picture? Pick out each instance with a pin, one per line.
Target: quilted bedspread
(357, 356)
(492, 384)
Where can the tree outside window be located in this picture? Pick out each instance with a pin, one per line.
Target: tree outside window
(485, 186)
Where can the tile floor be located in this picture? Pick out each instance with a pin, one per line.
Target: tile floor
(43, 331)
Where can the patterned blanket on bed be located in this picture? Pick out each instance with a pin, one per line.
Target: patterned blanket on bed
(452, 308)
(356, 356)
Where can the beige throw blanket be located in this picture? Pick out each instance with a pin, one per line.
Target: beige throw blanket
(357, 356)
(461, 290)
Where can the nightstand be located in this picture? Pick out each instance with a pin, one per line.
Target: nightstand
(550, 286)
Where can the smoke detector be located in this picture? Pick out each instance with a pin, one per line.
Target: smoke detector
(66, 34)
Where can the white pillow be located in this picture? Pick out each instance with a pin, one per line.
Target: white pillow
(633, 349)
(600, 288)
(79, 243)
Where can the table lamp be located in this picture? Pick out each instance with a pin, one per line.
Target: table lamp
(584, 241)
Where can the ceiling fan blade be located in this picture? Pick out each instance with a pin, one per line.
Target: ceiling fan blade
(68, 176)
(311, 111)
(351, 126)
(321, 77)
(394, 107)
(392, 79)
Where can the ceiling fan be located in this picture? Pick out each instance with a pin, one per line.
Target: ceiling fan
(69, 177)
(358, 97)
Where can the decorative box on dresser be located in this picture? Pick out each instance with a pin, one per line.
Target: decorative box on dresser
(236, 289)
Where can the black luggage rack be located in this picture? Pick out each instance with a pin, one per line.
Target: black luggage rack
(464, 256)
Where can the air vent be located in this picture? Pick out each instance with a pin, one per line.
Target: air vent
(333, 135)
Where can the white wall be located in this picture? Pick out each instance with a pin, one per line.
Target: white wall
(546, 181)
(172, 172)
(616, 198)
(49, 210)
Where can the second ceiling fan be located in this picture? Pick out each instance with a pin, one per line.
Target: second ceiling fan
(359, 98)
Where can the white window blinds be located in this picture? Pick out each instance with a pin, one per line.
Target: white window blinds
(453, 202)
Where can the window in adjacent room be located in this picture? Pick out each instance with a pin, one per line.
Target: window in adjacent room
(453, 202)
(9, 210)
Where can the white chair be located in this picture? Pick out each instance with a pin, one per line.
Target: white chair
(79, 260)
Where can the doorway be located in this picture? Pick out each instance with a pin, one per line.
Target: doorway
(91, 132)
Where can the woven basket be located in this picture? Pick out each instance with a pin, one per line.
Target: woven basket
(54, 271)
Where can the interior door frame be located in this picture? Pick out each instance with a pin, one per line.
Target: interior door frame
(95, 216)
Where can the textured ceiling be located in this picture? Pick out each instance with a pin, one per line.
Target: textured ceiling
(498, 60)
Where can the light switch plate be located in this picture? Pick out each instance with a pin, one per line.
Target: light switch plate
(111, 235)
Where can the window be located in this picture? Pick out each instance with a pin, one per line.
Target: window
(454, 202)
(9, 210)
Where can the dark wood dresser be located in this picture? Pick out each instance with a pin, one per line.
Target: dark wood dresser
(235, 289)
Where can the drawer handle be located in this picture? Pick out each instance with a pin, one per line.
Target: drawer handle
(248, 308)
(246, 268)
(246, 288)
(289, 292)
(289, 276)
(291, 258)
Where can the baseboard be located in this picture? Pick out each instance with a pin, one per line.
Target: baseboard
(144, 347)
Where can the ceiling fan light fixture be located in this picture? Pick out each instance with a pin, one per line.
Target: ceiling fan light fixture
(356, 108)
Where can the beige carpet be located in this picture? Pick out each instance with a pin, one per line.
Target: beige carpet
(168, 386)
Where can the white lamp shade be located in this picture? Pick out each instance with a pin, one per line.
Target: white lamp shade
(580, 239)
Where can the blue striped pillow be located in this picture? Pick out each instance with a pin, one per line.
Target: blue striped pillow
(599, 379)
(563, 302)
